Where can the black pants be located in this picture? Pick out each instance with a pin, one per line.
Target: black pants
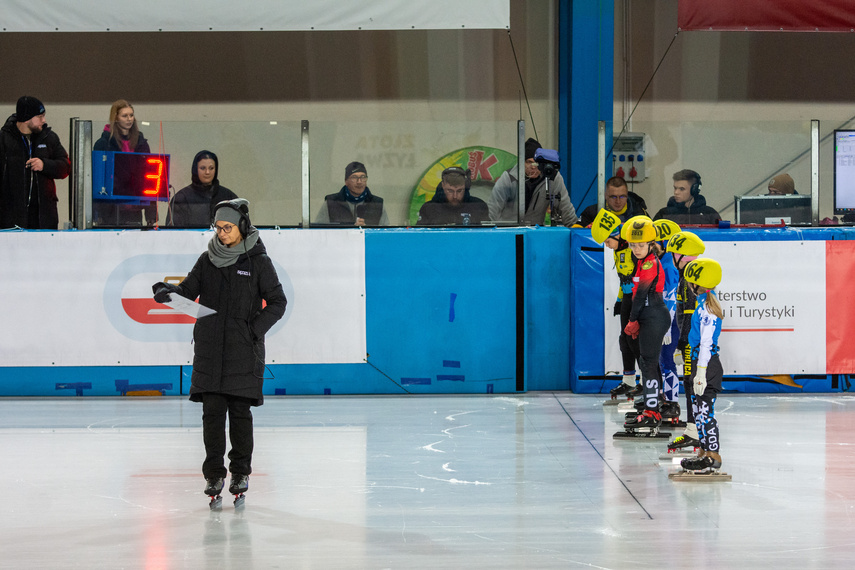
(628, 346)
(688, 382)
(653, 321)
(215, 408)
(704, 406)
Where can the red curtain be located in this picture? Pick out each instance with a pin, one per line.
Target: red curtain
(767, 15)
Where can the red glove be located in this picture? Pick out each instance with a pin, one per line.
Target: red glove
(632, 329)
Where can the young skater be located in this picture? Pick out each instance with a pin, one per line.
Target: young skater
(665, 229)
(649, 318)
(605, 229)
(685, 247)
(704, 275)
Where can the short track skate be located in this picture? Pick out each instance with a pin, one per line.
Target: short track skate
(212, 489)
(704, 468)
(622, 394)
(644, 426)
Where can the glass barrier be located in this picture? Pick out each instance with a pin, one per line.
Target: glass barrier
(399, 168)
(259, 161)
(747, 172)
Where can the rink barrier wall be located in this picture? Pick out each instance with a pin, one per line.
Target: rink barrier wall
(587, 302)
(449, 312)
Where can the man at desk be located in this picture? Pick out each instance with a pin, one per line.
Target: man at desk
(452, 205)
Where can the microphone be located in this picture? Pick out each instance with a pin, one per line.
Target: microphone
(360, 211)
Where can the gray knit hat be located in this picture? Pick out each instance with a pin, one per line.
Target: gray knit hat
(230, 211)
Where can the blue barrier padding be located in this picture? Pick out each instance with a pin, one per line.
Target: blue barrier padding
(548, 313)
(87, 380)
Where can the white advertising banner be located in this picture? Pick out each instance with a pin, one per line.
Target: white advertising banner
(773, 297)
(85, 298)
(254, 15)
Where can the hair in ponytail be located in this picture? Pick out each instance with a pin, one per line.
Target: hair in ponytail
(712, 304)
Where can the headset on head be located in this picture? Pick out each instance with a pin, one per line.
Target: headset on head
(696, 186)
(243, 224)
(466, 174)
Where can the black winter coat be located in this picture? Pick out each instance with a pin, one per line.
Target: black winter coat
(698, 213)
(15, 178)
(229, 345)
(109, 144)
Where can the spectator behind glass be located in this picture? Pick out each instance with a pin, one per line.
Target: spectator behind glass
(503, 198)
(354, 204)
(452, 205)
(193, 205)
(619, 200)
(781, 185)
(687, 206)
(122, 133)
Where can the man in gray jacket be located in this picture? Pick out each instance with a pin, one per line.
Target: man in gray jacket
(503, 200)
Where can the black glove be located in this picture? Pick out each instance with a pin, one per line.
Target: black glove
(617, 308)
(162, 292)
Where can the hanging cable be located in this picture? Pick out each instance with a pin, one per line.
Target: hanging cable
(519, 72)
(640, 97)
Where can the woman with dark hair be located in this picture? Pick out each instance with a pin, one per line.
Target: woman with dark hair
(193, 205)
(122, 134)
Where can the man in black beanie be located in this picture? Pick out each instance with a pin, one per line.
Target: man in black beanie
(503, 199)
(31, 158)
(354, 204)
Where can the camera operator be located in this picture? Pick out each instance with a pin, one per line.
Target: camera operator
(503, 199)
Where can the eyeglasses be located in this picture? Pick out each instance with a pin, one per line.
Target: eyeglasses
(226, 228)
(617, 197)
(362, 178)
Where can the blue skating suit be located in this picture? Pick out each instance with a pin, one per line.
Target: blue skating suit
(670, 380)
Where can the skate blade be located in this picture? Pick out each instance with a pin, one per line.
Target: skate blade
(240, 501)
(626, 406)
(679, 454)
(684, 475)
(673, 424)
(216, 503)
(611, 402)
(641, 434)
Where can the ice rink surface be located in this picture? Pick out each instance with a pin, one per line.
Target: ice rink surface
(493, 481)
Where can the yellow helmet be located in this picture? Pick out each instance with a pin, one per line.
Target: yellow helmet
(686, 243)
(665, 229)
(638, 229)
(704, 272)
(605, 225)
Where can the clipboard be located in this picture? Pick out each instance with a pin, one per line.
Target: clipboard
(188, 307)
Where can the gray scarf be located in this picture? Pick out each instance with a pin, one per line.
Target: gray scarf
(222, 256)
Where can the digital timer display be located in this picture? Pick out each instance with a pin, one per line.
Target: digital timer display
(130, 176)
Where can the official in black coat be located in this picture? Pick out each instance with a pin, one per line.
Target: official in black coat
(31, 158)
(233, 277)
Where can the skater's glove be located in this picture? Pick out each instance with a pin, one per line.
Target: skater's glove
(632, 329)
(666, 340)
(700, 380)
(617, 309)
(161, 292)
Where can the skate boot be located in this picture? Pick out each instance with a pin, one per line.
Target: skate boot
(213, 486)
(646, 419)
(706, 464)
(683, 442)
(237, 487)
(671, 414)
(635, 392)
(621, 391)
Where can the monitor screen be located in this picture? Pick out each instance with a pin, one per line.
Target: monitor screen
(844, 171)
(773, 210)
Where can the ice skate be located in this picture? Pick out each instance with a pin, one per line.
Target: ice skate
(705, 467)
(213, 487)
(644, 425)
(671, 414)
(619, 394)
(239, 485)
(683, 445)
